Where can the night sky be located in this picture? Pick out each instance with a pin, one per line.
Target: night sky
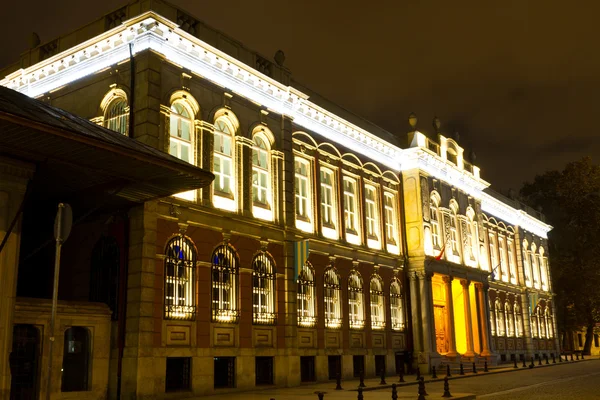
(518, 80)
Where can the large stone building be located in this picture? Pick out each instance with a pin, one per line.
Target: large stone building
(325, 244)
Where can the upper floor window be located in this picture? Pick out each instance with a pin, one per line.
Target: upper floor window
(180, 262)
(391, 229)
(225, 284)
(542, 323)
(435, 223)
(306, 296)
(535, 323)
(543, 270)
(223, 166)
(263, 289)
(511, 261)
(526, 265)
(503, 259)
(181, 144)
(510, 320)
(327, 208)
(453, 229)
(471, 239)
(549, 323)
(261, 194)
(377, 303)
(535, 267)
(371, 212)
(518, 320)
(116, 115)
(302, 176)
(397, 306)
(350, 205)
(332, 294)
(493, 252)
(356, 301)
(492, 317)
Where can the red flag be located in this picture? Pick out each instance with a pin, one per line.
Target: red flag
(439, 256)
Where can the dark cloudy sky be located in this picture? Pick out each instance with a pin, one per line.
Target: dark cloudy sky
(519, 80)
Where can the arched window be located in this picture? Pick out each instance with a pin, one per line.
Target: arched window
(328, 209)
(116, 114)
(543, 270)
(493, 252)
(511, 260)
(499, 310)
(377, 303)
(492, 318)
(454, 241)
(263, 289)
(223, 156)
(549, 320)
(471, 238)
(397, 305)
(180, 260)
(181, 131)
(225, 284)
(434, 219)
(535, 323)
(542, 322)
(518, 320)
(356, 303)
(503, 270)
(332, 295)
(76, 360)
(510, 320)
(526, 265)
(306, 296)
(261, 177)
(535, 267)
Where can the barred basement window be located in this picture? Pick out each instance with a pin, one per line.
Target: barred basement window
(306, 296)
(263, 289)
(224, 285)
(397, 306)
(377, 303)
(116, 116)
(356, 301)
(180, 261)
(333, 299)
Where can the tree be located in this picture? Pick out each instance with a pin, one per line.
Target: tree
(570, 199)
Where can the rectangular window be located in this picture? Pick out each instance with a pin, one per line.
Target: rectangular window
(302, 175)
(526, 268)
(327, 209)
(536, 270)
(307, 369)
(453, 234)
(503, 259)
(435, 227)
(493, 253)
(511, 261)
(390, 218)
(224, 372)
(178, 374)
(350, 205)
(222, 164)
(371, 212)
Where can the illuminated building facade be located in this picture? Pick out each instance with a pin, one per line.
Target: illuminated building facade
(402, 233)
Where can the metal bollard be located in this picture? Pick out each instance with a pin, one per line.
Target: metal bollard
(572, 357)
(446, 388)
(539, 360)
(321, 395)
(462, 371)
(474, 368)
(422, 391)
(418, 373)
(338, 381)
(582, 355)
(532, 363)
(577, 355)
(361, 380)
(553, 359)
(448, 370)
(485, 368)
(433, 374)
(559, 357)
(524, 365)
(547, 359)
(401, 374)
(382, 382)
(360, 395)
(515, 366)
(394, 392)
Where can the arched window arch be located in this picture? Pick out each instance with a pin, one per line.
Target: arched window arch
(356, 301)
(225, 272)
(534, 266)
(526, 265)
(223, 162)
(499, 311)
(180, 262)
(397, 305)
(434, 219)
(518, 320)
(510, 319)
(116, 111)
(263, 289)
(306, 296)
(261, 177)
(181, 130)
(377, 303)
(76, 360)
(332, 296)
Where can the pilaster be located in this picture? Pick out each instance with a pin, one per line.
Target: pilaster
(287, 200)
(484, 321)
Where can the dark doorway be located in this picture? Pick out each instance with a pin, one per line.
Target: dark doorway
(399, 360)
(335, 366)
(264, 370)
(25, 358)
(224, 372)
(379, 364)
(178, 374)
(358, 365)
(307, 369)
(76, 360)
(104, 279)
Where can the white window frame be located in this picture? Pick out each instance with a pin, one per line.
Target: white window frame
(391, 227)
(434, 220)
(328, 209)
(510, 249)
(332, 298)
(371, 212)
(526, 265)
(224, 183)
(263, 289)
(262, 196)
(503, 258)
(535, 267)
(176, 142)
(117, 119)
(303, 198)
(500, 324)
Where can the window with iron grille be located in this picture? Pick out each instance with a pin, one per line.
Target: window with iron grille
(377, 303)
(225, 285)
(306, 297)
(263, 289)
(397, 306)
(116, 116)
(356, 301)
(180, 261)
(332, 296)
